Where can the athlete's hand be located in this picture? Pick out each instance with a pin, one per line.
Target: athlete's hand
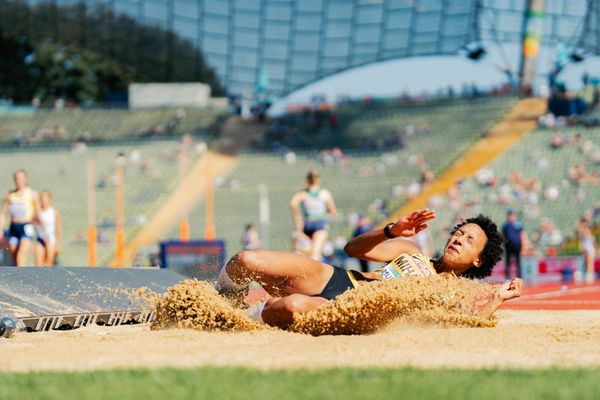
(510, 290)
(412, 224)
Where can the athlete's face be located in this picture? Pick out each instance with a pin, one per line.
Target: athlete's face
(20, 180)
(45, 200)
(464, 247)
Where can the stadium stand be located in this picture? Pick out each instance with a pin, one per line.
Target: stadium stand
(549, 178)
(374, 124)
(43, 126)
(427, 139)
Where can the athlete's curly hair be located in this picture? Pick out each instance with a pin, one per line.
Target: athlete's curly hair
(491, 253)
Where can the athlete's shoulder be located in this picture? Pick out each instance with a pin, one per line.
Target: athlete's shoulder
(299, 195)
(407, 246)
(325, 192)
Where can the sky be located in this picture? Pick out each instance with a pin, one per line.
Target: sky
(428, 74)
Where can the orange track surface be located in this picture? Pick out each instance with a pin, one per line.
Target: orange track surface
(554, 297)
(540, 297)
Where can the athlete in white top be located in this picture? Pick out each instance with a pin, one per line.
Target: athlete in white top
(49, 238)
(311, 208)
(22, 206)
(587, 245)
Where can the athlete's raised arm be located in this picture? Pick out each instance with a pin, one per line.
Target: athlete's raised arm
(36, 214)
(3, 213)
(295, 207)
(331, 208)
(58, 222)
(375, 246)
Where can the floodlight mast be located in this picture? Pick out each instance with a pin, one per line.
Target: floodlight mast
(533, 29)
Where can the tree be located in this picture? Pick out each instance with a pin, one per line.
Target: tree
(82, 52)
(17, 77)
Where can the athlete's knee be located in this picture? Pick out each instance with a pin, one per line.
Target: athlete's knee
(297, 303)
(239, 265)
(246, 259)
(239, 260)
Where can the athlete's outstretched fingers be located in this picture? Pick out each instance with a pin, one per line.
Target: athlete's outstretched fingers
(421, 228)
(422, 213)
(426, 217)
(426, 211)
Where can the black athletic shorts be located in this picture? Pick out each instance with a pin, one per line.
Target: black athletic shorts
(17, 232)
(310, 227)
(341, 281)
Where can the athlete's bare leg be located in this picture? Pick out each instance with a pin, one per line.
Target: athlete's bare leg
(22, 251)
(318, 241)
(40, 254)
(44, 254)
(279, 312)
(589, 258)
(50, 254)
(280, 273)
(13, 248)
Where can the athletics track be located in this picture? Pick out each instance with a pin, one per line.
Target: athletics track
(553, 296)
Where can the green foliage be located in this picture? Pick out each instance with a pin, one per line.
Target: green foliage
(72, 73)
(571, 247)
(81, 53)
(347, 383)
(16, 78)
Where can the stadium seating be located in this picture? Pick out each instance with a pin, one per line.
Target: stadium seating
(361, 180)
(539, 165)
(376, 125)
(43, 126)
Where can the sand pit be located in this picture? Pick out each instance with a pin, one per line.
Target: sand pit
(365, 310)
(434, 332)
(522, 339)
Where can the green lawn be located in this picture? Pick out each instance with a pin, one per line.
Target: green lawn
(237, 383)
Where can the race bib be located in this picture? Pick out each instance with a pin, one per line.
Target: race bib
(407, 265)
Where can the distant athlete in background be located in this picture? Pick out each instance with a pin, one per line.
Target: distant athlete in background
(250, 238)
(49, 237)
(513, 233)
(311, 208)
(22, 206)
(587, 245)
